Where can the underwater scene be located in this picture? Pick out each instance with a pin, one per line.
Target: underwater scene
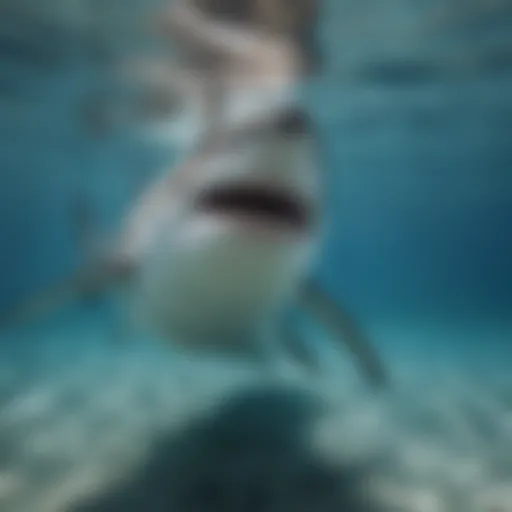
(256, 256)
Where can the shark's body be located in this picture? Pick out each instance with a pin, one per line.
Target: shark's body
(219, 245)
(213, 253)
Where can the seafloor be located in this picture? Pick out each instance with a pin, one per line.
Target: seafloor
(87, 424)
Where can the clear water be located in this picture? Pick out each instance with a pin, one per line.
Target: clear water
(415, 113)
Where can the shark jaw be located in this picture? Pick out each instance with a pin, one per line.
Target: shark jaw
(258, 208)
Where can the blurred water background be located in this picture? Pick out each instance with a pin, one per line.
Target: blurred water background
(415, 112)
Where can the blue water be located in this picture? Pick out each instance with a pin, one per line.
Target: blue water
(419, 178)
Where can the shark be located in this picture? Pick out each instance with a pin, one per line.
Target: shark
(215, 251)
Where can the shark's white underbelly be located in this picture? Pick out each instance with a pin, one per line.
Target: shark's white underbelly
(225, 289)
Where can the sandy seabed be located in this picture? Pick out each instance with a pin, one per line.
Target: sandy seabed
(78, 415)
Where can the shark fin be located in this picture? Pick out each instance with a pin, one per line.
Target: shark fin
(343, 326)
(85, 282)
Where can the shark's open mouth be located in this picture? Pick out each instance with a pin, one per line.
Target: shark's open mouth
(259, 203)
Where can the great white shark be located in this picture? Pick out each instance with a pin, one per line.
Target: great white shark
(215, 251)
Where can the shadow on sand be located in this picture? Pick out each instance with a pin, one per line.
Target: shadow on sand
(253, 453)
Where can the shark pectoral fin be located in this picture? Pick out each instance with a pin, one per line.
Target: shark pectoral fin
(83, 283)
(344, 327)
